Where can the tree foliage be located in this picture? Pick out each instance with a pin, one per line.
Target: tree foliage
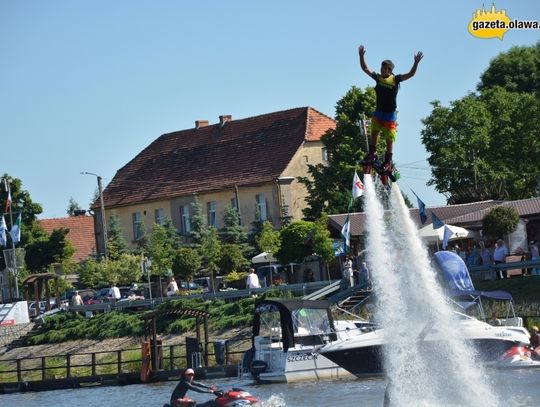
(73, 207)
(329, 185)
(485, 146)
(116, 243)
(186, 262)
(269, 240)
(294, 238)
(517, 70)
(161, 246)
(232, 231)
(100, 273)
(321, 240)
(232, 258)
(500, 221)
(45, 250)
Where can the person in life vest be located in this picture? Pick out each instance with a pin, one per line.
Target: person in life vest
(384, 120)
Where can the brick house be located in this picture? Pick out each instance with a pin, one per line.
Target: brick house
(251, 164)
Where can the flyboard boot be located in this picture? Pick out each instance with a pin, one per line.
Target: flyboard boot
(388, 170)
(369, 160)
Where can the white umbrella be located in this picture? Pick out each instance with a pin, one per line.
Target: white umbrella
(435, 235)
(263, 258)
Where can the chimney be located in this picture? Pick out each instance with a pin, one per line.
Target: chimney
(201, 123)
(224, 119)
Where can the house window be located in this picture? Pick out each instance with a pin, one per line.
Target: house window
(137, 225)
(261, 207)
(211, 213)
(324, 152)
(185, 219)
(159, 216)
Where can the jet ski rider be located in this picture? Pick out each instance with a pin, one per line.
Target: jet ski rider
(187, 383)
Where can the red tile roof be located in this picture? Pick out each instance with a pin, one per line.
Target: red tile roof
(81, 233)
(240, 152)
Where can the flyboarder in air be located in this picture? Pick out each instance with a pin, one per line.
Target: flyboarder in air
(384, 119)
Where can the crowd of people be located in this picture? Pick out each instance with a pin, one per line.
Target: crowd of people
(482, 254)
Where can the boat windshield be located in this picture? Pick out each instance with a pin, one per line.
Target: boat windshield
(310, 321)
(270, 325)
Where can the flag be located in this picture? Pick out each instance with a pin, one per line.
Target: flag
(8, 201)
(338, 248)
(3, 228)
(357, 186)
(346, 233)
(16, 230)
(437, 223)
(447, 235)
(421, 209)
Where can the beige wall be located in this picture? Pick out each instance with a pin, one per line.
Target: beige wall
(309, 154)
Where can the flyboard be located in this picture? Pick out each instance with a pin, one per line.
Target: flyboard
(376, 166)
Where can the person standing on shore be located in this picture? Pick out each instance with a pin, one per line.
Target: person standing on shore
(499, 257)
(533, 247)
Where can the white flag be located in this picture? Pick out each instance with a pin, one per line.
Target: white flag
(357, 186)
(346, 233)
(15, 231)
(3, 228)
(446, 237)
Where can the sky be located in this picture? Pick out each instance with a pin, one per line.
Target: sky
(86, 85)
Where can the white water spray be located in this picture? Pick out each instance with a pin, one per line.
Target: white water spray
(410, 303)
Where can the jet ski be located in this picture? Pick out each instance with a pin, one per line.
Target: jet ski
(232, 398)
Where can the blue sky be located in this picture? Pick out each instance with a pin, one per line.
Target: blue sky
(86, 85)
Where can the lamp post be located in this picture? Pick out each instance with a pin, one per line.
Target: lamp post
(102, 205)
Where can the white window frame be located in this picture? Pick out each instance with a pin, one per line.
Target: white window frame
(185, 219)
(211, 214)
(159, 216)
(261, 208)
(137, 221)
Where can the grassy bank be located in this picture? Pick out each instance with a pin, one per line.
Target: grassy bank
(68, 326)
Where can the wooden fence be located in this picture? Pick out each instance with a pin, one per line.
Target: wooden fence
(116, 362)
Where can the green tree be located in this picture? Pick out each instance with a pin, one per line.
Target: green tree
(500, 221)
(321, 240)
(232, 231)
(73, 207)
(210, 250)
(101, 272)
(232, 258)
(269, 240)
(199, 226)
(186, 262)
(294, 242)
(116, 243)
(483, 146)
(44, 250)
(161, 246)
(516, 70)
(329, 185)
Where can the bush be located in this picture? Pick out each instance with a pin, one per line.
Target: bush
(500, 221)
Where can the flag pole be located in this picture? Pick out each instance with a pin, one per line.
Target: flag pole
(15, 273)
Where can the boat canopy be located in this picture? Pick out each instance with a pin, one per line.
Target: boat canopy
(289, 312)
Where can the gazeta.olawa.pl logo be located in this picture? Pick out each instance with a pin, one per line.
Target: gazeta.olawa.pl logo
(495, 23)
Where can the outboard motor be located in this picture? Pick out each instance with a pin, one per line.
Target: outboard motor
(257, 367)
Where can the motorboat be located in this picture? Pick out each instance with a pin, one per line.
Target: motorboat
(286, 337)
(362, 355)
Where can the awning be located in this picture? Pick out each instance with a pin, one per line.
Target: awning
(263, 257)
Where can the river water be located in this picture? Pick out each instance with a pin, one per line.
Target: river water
(516, 388)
